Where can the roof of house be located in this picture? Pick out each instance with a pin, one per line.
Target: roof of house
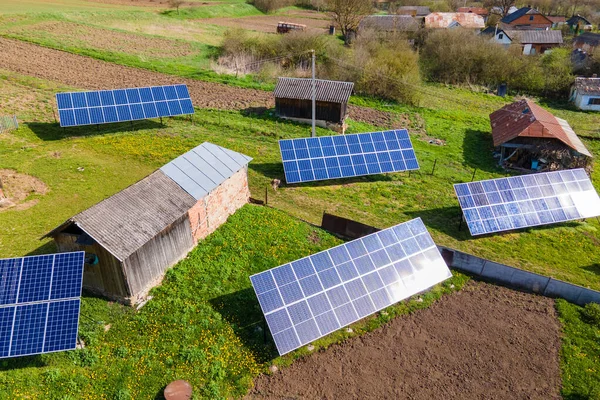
(202, 169)
(445, 20)
(534, 36)
(402, 23)
(125, 221)
(518, 14)
(490, 30)
(301, 88)
(589, 38)
(421, 11)
(587, 85)
(474, 10)
(576, 18)
(524, 118)
(556, 18)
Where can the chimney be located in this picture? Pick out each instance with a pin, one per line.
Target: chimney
(594, 75)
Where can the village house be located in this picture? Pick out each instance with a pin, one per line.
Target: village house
(439, 20)
(415, 11)
(134, 236)
(475, 10)
(389, 23)
(525, 18)
(578, 23)
(531, 42)
(585, 93)
(531, 138)
(557, 20)
(293, 101)
(587, 41)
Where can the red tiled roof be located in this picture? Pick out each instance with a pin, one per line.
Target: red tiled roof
(474, 10)
(556, 19)
(525, 118)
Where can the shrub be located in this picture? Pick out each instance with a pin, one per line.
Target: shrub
(591, 313)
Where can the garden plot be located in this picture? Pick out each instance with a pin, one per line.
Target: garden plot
(104, 39)
(484, 342)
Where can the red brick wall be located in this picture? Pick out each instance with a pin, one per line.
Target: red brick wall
(212, 211)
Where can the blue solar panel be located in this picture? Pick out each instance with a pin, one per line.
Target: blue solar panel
(107, 106)
(522, 201)
(39, 303)
(311, 297)
(343, 156)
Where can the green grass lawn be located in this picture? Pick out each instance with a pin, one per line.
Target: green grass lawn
(580, 353)
(203, 324)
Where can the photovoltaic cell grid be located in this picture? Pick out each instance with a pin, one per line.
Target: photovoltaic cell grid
(311, 297)
(107, 106)
(510, 203)
(343, 156)
(39, 303)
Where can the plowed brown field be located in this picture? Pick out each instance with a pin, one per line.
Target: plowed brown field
(484, 342)
(89, 73)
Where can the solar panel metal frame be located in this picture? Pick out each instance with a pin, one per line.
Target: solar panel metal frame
(319, 294)
(339, 156)
(503, 204)
(123, 105)
(20, 335)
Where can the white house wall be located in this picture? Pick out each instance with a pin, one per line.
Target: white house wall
(581, 101)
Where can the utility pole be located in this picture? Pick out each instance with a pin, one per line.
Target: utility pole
(314, 95)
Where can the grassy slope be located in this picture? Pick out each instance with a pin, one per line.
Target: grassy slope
(580, 354)
(202, 324)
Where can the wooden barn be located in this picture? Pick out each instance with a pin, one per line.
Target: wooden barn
(134, 236)
(293, 100)
(531, 138)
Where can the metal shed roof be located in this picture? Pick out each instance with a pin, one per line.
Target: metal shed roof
(301, 88)
(128, 219)
(535, 36)
(446, 20)
(525, 118)
(205, 167)
(400, 23)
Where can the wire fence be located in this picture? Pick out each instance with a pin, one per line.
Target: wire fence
(8, 123)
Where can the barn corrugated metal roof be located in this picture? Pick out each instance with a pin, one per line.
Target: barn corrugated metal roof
(301, 88)
(535, 36)
(130, 218)
(593, 39)
(419, 11)
(127, 220)
(527, 119)
(389, 23)
(202, 169)
(439, 20)
(588, 85)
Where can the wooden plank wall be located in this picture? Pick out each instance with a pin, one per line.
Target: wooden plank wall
(146, 267)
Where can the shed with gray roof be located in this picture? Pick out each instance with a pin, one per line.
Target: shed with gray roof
(293, 100)
(132, 237)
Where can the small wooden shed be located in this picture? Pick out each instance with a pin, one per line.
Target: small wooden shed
(531, 138)
(293, 100)
(134, 236)
(285, 27)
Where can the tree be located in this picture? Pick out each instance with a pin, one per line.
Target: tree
(176, 4)
(454, 4)
(347, 14)
(505, 5)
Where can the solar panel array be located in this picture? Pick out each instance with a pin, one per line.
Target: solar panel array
(311, 297)
(344, 156)
(521, 201)
(120, 105)
(39, 303)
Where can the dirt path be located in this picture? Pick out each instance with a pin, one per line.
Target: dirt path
(89, 73)
(484, 342)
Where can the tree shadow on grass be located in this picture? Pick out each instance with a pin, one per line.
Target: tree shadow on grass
(53, 131)
(477, 151)
(242, 311)
(595, 268)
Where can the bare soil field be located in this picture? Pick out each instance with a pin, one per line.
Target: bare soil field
(155, 3)
(15, 188)
(106, 39)
(88, 73)
(314, 21)
(484, 342)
